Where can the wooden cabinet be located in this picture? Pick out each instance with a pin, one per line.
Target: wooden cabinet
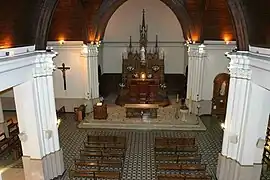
(100, 112)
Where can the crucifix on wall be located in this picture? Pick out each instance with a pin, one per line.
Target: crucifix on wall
(63, 68)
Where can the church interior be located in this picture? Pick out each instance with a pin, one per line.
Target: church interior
(135, 90)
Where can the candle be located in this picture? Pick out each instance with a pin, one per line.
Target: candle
(177, 98)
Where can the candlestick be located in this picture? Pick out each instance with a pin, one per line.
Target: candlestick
(177, 98)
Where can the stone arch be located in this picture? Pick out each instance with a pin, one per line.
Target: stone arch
(43, 26)
(236, 10)
(108, 8)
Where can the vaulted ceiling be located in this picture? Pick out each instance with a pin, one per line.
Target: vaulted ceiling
(28, 22)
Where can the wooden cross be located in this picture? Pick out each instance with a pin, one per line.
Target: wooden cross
(63, 68)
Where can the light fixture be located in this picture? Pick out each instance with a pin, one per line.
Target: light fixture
(143, 75)
(22, 136)
(99, 104)
(62, 41)
(58, 122)
(260, 143)
(48, 134)
(10, 53)
(233, 139)
(222, 125)
(84, 50)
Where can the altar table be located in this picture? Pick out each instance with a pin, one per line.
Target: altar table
(141, 110)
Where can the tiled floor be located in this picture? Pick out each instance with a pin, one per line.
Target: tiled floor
(139, 162)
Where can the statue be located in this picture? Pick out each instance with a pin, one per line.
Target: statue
(143, 54)
(222, 90)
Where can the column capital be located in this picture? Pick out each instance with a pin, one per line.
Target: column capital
(239, 65)
(44, 65)
(84, 50)
(196, 50)
(93, 50)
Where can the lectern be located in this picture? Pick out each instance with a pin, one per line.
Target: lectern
(100, 111)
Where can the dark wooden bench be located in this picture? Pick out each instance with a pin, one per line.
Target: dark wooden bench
(97, 163)
(104, 145)
(174, 141)
(175, 145)
(183, 177)
(176, 149)
(83, 174)
(102, 154)
(106, 139)
(10, 145)
(13, 128)
(179, 158)
(182, 167)
(98, 149)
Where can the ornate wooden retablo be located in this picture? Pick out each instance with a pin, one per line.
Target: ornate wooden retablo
(143, 74)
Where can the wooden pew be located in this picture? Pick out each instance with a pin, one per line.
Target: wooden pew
(94, 174)
(182, 167)
(98, 149)
(179, 158)
(176, 149)
(173, 141)
(183, 177)
(106, 139)
(11, 144)
(175, 145)
(104, 145)
(84, 153)
(97, 163)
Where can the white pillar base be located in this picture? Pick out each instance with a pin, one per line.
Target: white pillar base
(229, 169)
(49, 167)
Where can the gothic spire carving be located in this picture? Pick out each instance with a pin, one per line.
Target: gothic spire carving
(156, 46)
(143, 32)
(130, 44)
(143, 20)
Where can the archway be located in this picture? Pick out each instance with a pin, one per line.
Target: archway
(107, 8)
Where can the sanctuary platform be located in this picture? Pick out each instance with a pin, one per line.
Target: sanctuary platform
(166, 120)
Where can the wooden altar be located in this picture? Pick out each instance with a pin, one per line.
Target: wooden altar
(220, 94)
(141, 110)
(143, 74)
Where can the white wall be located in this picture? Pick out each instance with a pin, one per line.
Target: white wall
(70, 54)
(216, 62)
(125, 23)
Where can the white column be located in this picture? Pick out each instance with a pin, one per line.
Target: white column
(93, 71)
(245, 124)
(196, 61)
(36, 112)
